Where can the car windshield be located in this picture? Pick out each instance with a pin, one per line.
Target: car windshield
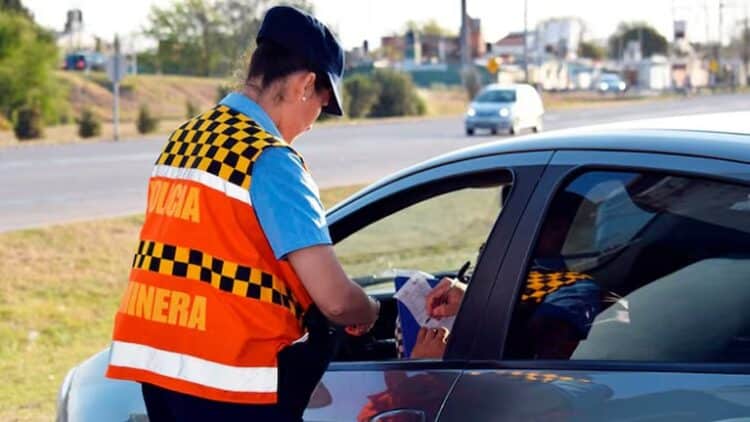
(497, 96)
(610, 78)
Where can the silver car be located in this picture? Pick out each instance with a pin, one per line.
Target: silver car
(609, 282)
(510, 108)
(610, 82)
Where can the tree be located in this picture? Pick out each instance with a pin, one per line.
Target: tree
(430, 27)
(653, 41)
(28, 57)
(188, 37)
(591, 50)
(207, 37)
(14, 6)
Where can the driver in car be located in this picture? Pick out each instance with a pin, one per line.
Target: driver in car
(562, 303)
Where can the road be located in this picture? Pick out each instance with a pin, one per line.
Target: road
(48, 184)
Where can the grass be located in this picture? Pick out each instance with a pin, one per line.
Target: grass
(59, 289)
(444, 101)
(434, 235)
(167, 97)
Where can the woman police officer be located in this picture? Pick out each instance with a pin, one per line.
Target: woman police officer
(234, 276)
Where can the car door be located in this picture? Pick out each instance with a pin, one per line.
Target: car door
(431, 220)
(623, 296)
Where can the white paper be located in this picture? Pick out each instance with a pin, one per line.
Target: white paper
(413, 295)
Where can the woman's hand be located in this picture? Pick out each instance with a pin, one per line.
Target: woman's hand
(445, 299)
(362, 329)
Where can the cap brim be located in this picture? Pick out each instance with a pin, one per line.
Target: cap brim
(334, 104)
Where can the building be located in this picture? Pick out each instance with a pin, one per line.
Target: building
(440, 49)
(477, 46)
(415, 48)
(393, 47)
(74, 37)
(510, 46)
(559, 37)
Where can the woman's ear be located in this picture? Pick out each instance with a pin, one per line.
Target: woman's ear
(301, 86)
(309, 85)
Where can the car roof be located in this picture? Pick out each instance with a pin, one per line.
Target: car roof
(699, 139)
(722, 145)
(700, 143)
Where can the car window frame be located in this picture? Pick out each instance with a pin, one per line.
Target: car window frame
(366, 207)
(565, 166)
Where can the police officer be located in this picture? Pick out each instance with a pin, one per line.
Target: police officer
(234, 278)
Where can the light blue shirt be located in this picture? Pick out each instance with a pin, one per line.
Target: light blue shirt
(284, 196)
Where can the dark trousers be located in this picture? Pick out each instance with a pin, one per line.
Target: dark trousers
(165, 406)
(301, 365)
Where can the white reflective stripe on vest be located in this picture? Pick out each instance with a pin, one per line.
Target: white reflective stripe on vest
(204, 178)
(193, 369)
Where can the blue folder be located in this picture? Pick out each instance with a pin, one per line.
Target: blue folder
(409, 326)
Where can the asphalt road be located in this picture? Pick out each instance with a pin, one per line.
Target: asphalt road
(48, 184)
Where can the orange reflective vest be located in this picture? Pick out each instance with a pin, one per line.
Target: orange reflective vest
(208, 306)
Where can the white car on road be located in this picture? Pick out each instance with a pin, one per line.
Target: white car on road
(511, 108)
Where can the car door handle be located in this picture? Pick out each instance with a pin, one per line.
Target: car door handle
(401, 415)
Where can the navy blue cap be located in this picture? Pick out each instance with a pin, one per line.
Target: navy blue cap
(308, 37)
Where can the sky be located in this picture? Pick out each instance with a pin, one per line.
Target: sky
(359, 20)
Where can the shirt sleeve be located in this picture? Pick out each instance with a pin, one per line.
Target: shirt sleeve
(287, 203)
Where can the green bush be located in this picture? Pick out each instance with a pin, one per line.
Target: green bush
(360, 95)
(89, 124)
(63, 118)
(191, 110)
(4, 124)
(28, 59)
(398, 95)
(28, 123)
(146, 122)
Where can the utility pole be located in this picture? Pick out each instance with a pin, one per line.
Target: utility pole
(705, 10)
(746, 43)
(525, 41)
(721, 25)
(464, 37)
(116, 106)
(116, 69)
(640, 40)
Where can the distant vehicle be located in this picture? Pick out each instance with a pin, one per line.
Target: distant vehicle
(505, 107)
(647, 322)
(83, 60)
(609, 82)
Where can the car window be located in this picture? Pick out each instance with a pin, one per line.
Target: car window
(497, 96)
(437, 236)
(638, 266)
